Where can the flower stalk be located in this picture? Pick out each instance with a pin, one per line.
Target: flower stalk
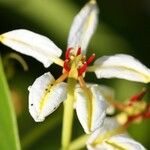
(68, 114)
(79, 143)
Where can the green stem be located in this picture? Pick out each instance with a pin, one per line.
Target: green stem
(78, 143)
(68, 114)
(8, 127)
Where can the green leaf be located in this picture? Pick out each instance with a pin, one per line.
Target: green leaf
(9, 139)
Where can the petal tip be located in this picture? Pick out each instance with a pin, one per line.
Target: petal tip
(39, 119)
(93, 1)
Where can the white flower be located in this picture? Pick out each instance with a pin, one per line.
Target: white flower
(90, 107)
(45, 97)
(46, 93)
(121, 66)
(110, 137)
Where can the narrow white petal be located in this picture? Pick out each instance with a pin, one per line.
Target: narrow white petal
(121, 66)
(83, 26)
(44, 98)
(109, 95)
(90, 110)
(107, 92)
(121, 140)
(108, 125)
(32, 44)
(126, 142)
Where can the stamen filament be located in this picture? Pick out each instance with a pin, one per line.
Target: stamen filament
(81, 81)
(61, 78)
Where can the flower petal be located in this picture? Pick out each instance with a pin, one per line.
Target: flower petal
(121, 66)
(90, 108)
(107, 92)
(32, 44)
(125, 142)
(83, 26)
(108, 125)
(118, 142)
(44, 97)
(122, 141)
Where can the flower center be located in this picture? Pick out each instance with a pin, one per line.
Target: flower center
(73, 56)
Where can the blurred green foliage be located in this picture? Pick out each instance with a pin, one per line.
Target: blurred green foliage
(8, 130)
(123, 28)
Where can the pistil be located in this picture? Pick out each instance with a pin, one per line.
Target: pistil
(82, 63)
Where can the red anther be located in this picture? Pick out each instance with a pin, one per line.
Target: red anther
(78, 51)
(68, 52)
(90, 59)
(66, 65)
(147, 113)
(137, 97)
(134, 117)
(82, 69)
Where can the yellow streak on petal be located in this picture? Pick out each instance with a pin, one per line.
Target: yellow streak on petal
(146, 77)
(89, 98)
(116, 145)
(89, 19)
(53, 58)
(109, 134)
(50, 89)
(45, 96)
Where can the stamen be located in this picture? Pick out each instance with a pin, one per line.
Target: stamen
(147, 114)
(78, 51)
(82, 82)
(90, 59)
(61, 78)
(133, 118)
(66, 65)
(82, 69)
(68, 52)
(137, 97)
